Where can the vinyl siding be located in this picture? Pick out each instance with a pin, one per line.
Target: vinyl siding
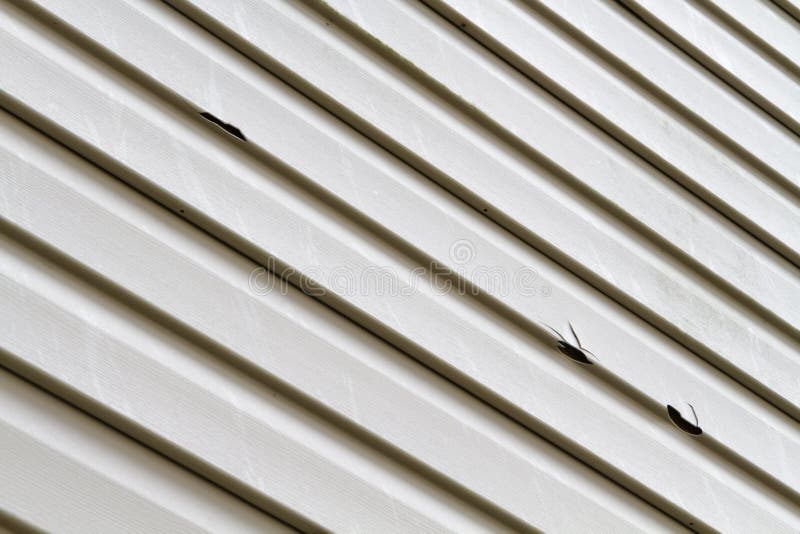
(345, 320)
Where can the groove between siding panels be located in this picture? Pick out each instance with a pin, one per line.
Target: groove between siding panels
(256, 447)
(791, 7)
(220, 172)
(596, 247)
(648, 119)
(765, 26)
(11, 524)
(362, 395)
(258, 439)
(63, 471)
(633, 368)
(67, 247)
(387, 444)
(708, 41)
(689, 226)
(689, 222)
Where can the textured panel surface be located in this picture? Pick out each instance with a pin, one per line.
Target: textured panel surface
(400, 266)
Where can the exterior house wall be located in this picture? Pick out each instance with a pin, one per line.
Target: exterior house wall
(394, 266)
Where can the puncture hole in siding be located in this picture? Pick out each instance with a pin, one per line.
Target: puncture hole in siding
(573, 352)
(679, 421)
(231, 129)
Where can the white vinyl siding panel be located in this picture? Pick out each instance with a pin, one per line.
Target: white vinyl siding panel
(652, 205)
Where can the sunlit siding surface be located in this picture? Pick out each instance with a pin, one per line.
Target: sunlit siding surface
(396, 266)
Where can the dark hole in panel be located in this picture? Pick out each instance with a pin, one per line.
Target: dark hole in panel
(679, 421)
(231, 129)
(573, 352)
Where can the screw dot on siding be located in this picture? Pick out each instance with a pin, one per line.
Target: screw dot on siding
(231, 129)
(679, 421)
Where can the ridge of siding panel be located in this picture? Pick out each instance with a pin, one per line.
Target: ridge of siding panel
(655, 289)
(362, 395)
(652, 120)
(765, 25)
(704, 37)
(631, 367)
(151, 135)
(63, 471)
(693, 228)
(791, 7)
(652, 206)
(258, 438)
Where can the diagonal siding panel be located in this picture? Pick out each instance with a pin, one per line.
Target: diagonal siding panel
(396, 158)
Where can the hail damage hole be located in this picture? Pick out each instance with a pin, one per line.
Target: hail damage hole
(231, 129)
(575, 352)
(571, 351)
(679, 421)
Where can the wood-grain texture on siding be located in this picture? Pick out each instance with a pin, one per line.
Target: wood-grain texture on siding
(346, 316)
